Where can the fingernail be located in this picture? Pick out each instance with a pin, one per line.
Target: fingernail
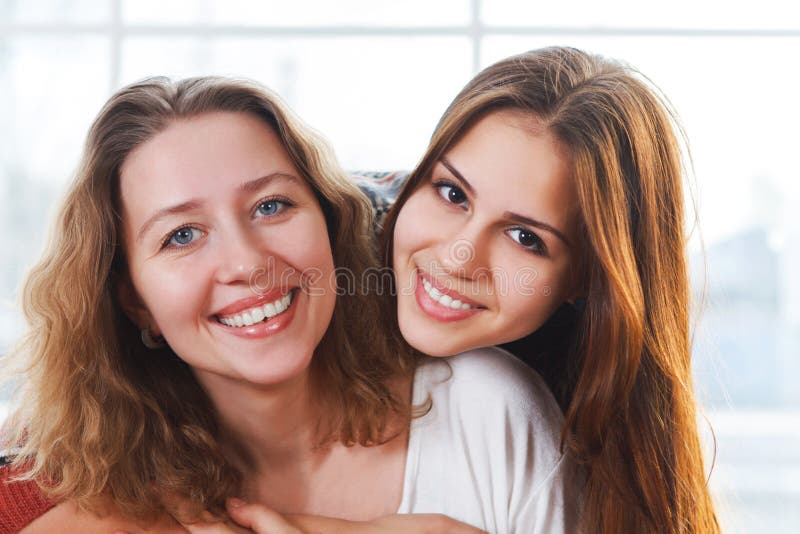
(236, 503)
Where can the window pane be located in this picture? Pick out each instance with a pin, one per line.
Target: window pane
(757, 471)
(54, 11)
(51, 88)
(376, 99)
(301, 13)
(716, 14)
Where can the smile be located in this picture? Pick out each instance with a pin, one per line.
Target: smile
(440, 306)
(260, 313)
(445, 300)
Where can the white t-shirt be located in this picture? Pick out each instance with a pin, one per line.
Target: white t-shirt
(487, 453)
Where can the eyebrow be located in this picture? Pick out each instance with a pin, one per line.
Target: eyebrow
(460, 177)
(193, 204)
(515, 217)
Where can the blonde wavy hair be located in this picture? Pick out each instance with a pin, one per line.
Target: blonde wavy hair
(99, 416)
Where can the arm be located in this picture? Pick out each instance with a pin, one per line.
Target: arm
(262, 520)
(398, 523)
(252, 518)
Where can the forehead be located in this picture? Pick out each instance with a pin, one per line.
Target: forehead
(515, 163)
(203, 156)
(220, 145)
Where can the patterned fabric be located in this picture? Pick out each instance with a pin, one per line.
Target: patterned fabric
(382, 189)
(20, 501)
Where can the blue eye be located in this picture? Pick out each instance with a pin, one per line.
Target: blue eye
(451, 193)
(272, 207)
(528, 240)
(181, 237)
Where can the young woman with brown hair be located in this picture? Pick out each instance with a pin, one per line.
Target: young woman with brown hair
(548, 211)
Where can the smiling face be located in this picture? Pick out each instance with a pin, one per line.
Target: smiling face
(483, 247)
(227, 249)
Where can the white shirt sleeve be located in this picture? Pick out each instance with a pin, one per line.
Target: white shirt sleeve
(487, 452)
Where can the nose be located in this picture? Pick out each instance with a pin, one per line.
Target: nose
(464, 253)
(241, 257)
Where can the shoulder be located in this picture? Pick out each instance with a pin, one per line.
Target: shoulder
(492, 379)
(491, 440)
(68, 517)
(491, 400)
(522, 423)
(21, 501)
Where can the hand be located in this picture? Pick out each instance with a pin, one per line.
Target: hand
(259, 519)
(262, 520)
(251, 519)
(415, 524)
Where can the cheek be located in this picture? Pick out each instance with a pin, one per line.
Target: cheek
(536, 291)
(412, 228)
(174, 296)
(309, 248)
(312, 257)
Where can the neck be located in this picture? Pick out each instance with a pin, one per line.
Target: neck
(264, 427)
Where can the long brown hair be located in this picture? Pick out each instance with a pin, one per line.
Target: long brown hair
(626, 379)
(102, 416)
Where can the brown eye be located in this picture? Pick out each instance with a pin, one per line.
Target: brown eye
(451, 193)
(528, 240)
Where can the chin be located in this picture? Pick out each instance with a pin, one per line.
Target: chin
(426, 340)
(274, 371)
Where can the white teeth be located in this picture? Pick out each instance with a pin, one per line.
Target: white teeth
(256, 315)
(432, 291)
(444, 300)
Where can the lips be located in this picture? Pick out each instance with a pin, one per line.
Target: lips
(254, 301)
(266, 327)
(259, 313)
(435, 309)
(433, 286)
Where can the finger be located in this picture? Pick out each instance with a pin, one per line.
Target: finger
(212, 528)
(259, 518)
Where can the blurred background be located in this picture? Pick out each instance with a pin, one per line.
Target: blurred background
(374, 77)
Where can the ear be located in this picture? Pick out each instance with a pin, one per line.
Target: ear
(133, 306)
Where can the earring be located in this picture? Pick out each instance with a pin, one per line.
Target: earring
(149, 342)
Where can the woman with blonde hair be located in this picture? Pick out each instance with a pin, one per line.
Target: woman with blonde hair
(548, 214)
(173, 320)
(192, 339)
